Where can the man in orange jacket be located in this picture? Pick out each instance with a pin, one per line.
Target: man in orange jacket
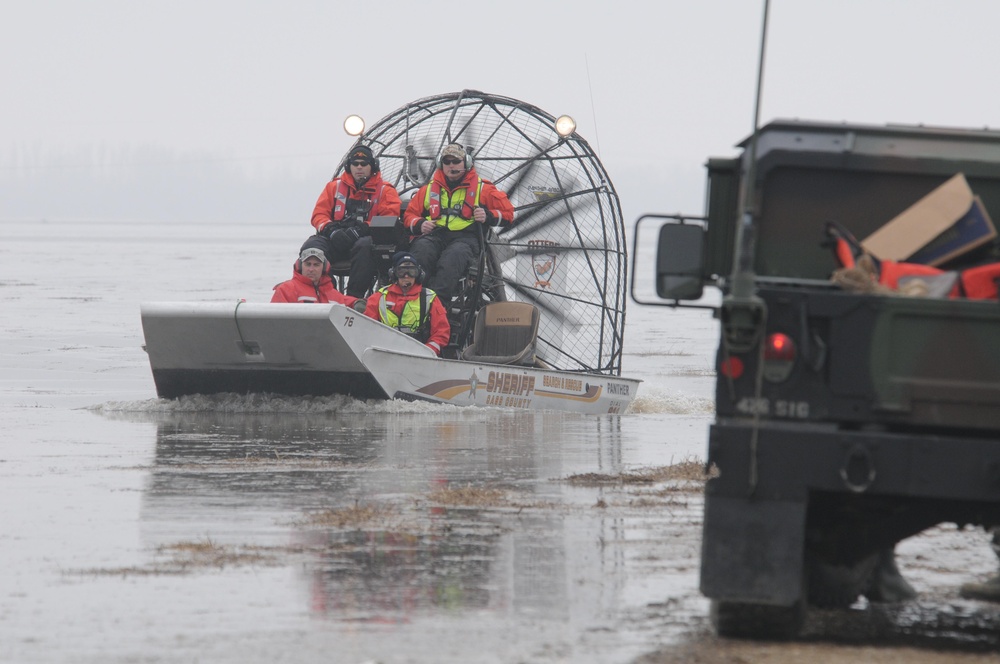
(443, 215)
(344, 210)
(409, 307)
(310, 282)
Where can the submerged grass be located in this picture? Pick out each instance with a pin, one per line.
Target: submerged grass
(206, 553)
(470, 496)
(190, 556)
(355, 516)
(690, 471)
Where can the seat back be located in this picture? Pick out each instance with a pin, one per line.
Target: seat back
(505, 333)
(339, 272)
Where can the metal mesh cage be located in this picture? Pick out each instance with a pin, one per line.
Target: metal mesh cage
(566, 250)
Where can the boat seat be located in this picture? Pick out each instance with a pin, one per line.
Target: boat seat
(339, 271)
(505, 333)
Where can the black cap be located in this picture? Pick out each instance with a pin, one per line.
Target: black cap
(362, 152)
(403, 257)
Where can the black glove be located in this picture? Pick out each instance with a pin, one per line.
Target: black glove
(490, 217)
(330, 229)
(352, 232)
(360, 305)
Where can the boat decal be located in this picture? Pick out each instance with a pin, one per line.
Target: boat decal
(543, 263)
(501, 385)
(448, 389)
(590, 394)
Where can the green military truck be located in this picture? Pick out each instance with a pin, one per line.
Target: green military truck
(845, 421)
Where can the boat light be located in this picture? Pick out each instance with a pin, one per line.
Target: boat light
(354, 125)
(565, 125)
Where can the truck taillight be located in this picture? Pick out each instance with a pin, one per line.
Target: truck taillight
(731, 367)
(779, 357)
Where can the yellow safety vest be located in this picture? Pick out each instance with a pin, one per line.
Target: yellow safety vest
(442, 206)
(416, 312)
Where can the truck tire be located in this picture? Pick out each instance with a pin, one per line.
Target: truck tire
(758, 621)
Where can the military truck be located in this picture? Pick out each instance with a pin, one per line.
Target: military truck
(845, 421)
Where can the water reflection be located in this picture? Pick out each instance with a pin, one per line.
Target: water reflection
(298, 457)
(529, 544)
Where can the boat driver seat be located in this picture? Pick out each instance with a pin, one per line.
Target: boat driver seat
(339, 272)
(505, 333)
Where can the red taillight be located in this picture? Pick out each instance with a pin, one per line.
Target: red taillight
(779, 357)
(779, 347)
(731, 367)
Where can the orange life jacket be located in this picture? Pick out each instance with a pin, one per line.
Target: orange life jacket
(342, 194)
(974, 283)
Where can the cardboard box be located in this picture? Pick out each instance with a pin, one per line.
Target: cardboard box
(941, 226)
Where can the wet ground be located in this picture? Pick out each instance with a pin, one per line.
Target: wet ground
(307, 530)
(408, 536)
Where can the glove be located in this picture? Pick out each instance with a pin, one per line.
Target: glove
(352, 233)
(330, 229)
(490, 217)
(360, 305)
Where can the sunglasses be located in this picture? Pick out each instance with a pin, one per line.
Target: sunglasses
(359, 163)
(451, 161)
(408, 271)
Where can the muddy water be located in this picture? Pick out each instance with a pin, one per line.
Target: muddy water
(261, 530)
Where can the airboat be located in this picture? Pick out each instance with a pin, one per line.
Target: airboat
(539, 321)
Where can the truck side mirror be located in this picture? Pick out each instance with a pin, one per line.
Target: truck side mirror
(679, 262)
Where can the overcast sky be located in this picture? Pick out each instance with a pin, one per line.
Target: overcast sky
(260, 89)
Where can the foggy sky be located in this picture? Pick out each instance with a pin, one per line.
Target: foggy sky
(229, 111)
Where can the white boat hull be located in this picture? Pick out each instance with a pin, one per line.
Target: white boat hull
(294, 349)
(463, 383)
(325, 349)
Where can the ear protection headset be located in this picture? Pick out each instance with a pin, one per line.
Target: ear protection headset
(346, 167)
(419, 279)
(298, 263)
(468, 158)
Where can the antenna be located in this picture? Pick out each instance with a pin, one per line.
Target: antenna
(743, 260)
(743, 313)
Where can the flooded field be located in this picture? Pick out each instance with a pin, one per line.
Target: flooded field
(253, 529)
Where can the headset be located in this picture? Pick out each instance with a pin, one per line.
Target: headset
(298, 262)
(419, 278)
(468, 156)
(347, 162)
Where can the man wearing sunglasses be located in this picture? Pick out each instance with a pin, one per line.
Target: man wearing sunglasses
(443, 216)
(343, 212)
(409, 307)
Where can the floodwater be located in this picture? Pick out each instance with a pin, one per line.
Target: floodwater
(252, 529)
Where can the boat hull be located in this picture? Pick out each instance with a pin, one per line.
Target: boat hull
(293, 349)
(327, 349)
(173, 383)
(463, 383)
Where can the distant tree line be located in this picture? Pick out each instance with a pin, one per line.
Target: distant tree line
(155, 184)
